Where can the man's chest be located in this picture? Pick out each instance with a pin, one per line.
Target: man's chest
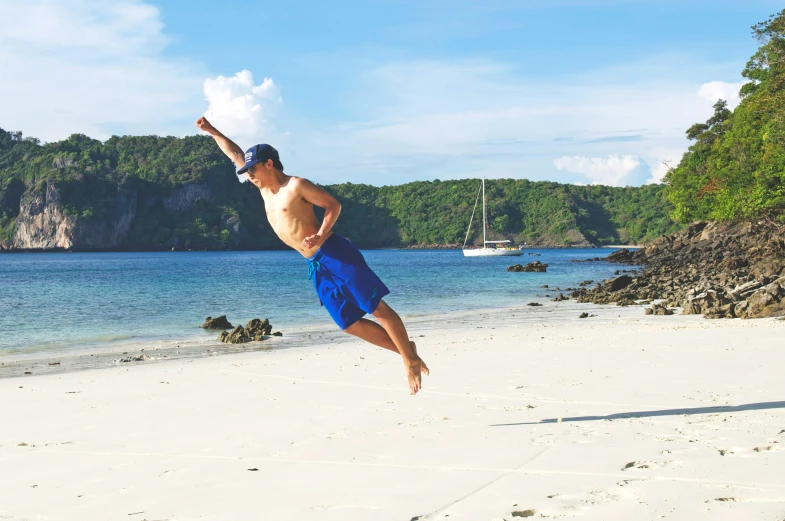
(280, 206)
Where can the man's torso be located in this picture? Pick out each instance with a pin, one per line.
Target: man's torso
(291, 217)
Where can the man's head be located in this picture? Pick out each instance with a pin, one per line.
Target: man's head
(259, 158)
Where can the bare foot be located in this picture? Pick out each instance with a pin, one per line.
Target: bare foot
(414, 371)
(424, 367)
(413, 374)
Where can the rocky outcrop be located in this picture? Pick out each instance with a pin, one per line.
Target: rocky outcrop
(535, 266)
(255, 330)
(43, 223)
(63, 162)
(236, 336)
(715, 270)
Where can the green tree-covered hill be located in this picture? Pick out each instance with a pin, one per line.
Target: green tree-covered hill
(88, 175)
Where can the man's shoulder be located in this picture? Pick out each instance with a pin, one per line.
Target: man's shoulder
(297, 182)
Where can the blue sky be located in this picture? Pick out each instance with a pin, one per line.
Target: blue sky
(577, 91)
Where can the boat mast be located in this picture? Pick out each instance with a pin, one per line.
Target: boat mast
(484, 225)
(471, 219)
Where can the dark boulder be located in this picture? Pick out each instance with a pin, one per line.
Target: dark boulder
(768, 301)
(620, 283)
(699, 303)
(237, 336)
(535, 266)
(257, 329)
(216, 323)
(534, 304)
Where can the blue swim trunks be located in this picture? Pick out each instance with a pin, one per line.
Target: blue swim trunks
(345, 284)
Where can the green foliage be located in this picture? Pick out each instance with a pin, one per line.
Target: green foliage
(93, 178)
(437, 213)
(735, 169)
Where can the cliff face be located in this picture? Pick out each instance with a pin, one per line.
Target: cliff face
(43, 224)
(129, 220)
(186, 196)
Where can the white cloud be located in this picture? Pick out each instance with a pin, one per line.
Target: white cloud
(240, 108)
(614, 171)
(244, 111)
(661, 159)
(92, 67)
(454, 119)
(714, 91)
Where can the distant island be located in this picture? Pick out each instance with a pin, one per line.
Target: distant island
(158, 193)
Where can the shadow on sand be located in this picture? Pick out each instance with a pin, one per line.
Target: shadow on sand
(650, 414)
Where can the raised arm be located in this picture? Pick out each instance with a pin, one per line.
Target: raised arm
(226, 145)
(316, 196)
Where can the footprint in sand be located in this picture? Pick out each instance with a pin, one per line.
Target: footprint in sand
(649, 465)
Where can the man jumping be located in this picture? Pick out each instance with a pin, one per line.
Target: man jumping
(346, 286)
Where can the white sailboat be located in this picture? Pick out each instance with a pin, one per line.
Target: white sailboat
(497, 248)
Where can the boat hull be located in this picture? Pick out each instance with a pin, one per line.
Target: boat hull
(492, 252)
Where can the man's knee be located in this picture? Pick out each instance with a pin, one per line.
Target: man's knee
(352, 329)
(384, 311)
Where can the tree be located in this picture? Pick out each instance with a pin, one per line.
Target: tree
(735, 169)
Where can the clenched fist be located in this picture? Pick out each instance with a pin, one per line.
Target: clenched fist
(313, 240)
(203, 124)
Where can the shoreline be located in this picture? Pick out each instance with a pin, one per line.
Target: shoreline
(42, 361)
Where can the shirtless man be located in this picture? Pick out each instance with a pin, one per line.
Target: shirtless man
(345, 284)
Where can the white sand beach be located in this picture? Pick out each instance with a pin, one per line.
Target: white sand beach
(529, 412)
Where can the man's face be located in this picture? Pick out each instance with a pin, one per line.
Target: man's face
(259, 168)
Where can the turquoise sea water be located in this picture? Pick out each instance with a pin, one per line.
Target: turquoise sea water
(51, 301)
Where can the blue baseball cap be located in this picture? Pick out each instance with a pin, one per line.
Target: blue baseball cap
(258, 154)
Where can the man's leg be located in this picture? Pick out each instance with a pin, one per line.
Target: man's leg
(380, 335)
(394, 327)
(375, 334)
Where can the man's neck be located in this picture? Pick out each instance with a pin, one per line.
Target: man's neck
(272, 181)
